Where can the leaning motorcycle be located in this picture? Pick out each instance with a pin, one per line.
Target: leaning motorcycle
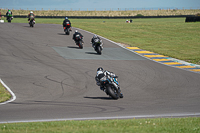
(98, 45)
(79, 41)
(111, 87)
(67, 28)
(32, 22)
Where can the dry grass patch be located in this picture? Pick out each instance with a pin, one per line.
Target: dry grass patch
(104, 13)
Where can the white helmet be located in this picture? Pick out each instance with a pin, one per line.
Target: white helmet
(100, 69)
(76, 31)
(31, 12)
(95, 36)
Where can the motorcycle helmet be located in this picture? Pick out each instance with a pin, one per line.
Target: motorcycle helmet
(95, 36)
(76, 31)
(100, 69)
(66, 17)
(31, 12)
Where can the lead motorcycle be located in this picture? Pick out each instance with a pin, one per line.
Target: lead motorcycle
(111, 87)
(98, 45)
(32, 22)
(79, 41)
(67, 29)
(9, 18)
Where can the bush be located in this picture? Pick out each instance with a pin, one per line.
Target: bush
(139, 15)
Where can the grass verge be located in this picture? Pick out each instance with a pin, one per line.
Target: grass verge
(4, 94)
(168, 36)
(158, 125)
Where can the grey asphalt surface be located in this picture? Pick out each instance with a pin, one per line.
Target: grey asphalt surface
(53, 80)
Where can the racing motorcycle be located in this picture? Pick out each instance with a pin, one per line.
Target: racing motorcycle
(9, 18)
(111, 87)
(32, 22)
(79, 41)
(67, 29)
(98, 45)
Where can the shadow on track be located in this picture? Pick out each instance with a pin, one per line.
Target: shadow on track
(103, 98)
(92, 53)
(73, 47)
(62, 34)
(27, 26)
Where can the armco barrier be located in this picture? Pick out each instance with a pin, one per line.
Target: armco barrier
(105, 17)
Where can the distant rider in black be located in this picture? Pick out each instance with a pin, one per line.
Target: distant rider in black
(76, 33)
(65, 23)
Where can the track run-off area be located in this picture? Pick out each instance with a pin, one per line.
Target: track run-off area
(54, 80)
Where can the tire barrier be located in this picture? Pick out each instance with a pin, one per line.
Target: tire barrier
(192, 19)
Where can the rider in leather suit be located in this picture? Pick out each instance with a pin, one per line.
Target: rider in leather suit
(76, 33)
(65, 22)
(102, 73)
(93, 40)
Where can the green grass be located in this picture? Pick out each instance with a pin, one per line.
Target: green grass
(4, 94)
(168, 36)
(158, 125)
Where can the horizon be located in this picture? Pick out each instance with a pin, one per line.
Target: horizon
(111, 9)
(103, 5)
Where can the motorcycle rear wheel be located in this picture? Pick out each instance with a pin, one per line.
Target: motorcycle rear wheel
(67, 32)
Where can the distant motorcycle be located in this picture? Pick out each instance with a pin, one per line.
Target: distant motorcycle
(79, 41)
(111, 87)
(9, 18)
(32, 22)
(98, 45)
(67, 29)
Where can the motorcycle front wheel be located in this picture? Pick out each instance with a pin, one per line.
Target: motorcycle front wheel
(111, 92)
(80, 44)
(98, 49)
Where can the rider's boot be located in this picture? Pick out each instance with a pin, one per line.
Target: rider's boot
(121, 95)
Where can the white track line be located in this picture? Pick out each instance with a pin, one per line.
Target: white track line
(13, 95)
(114, 117)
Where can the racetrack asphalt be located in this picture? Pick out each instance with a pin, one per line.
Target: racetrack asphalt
(54, 80)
